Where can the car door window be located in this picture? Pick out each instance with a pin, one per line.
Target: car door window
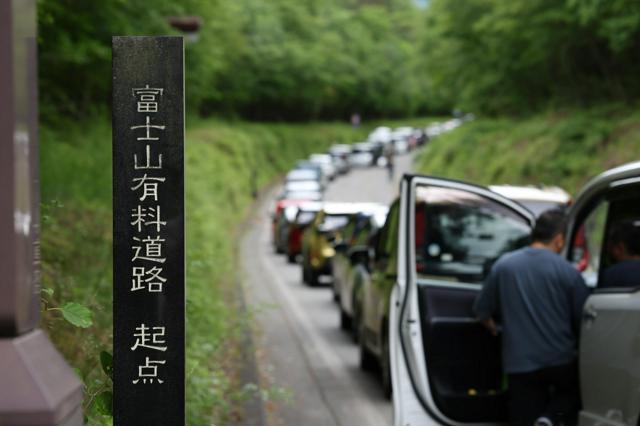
(606, 244)
(459, 235)
(588, 242)
(620, 263)
(386, 246)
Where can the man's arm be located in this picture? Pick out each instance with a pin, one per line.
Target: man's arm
(486, 304)
(579, 294)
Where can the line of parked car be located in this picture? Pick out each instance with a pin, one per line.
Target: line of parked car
(310, 177)
(405, 276)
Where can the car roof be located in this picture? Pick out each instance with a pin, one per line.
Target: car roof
(350, 208)
(553, 194)
(302, 172)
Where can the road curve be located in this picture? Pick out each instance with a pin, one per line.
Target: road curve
(301, 351)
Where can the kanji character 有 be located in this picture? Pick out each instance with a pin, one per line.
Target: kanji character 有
(148, 279)
(147, 101)
(149, 372)
(149, 186)
(144, 339)
(152, 250)
(148, 126)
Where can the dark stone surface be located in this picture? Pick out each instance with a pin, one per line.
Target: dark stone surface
(158, 63)
(19, 197)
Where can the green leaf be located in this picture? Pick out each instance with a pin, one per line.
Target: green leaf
(104, 403)
(47, 291)
(77, 314)
(106, 360)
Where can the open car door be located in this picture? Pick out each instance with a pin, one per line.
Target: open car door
(446, 368)
(604, 229)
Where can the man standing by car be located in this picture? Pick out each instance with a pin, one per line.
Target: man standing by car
(537, 296)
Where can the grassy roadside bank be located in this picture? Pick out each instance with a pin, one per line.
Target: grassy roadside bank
(221, 160)
(563, 148)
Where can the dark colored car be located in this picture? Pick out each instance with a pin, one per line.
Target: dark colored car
(276, 219)
(304, 216)
(350, 266)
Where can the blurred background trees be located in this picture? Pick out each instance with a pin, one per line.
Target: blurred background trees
(325, 59)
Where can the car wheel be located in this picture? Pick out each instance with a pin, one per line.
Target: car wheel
(345, 320)
(291, 258)
(356, 320)
(368, 361)
(385, 365)
(312, 277)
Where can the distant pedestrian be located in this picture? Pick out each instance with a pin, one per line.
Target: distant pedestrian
(389, 160)
(538, 297)
(355, 120)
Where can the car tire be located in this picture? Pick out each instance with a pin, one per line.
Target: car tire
(336, 296)
(368, 361)
(385, 365)
(356, 320)
(312, 277)
(291, 258)
(345, 320)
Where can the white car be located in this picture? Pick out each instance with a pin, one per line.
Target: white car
(380, 135)
(445, 367)
(536, 199)
(400, 139)
(298, 175)
(361, 155)
(325, 161)
(302, 186)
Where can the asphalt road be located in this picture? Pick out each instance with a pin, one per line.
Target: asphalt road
(308, 366)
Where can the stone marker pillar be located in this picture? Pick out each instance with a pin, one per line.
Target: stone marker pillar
(37, 387)
(148, 231)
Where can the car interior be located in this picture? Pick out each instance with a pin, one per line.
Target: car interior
(458, 236)
(608, 237)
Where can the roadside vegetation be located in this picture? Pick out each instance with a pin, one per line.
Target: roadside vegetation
(222, 161)
(559, 147)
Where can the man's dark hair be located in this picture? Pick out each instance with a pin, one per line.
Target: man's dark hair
(549, 224)
(628, 234)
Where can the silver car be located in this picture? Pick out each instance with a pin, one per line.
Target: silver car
(445, 368)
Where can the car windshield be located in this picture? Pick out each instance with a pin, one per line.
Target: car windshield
(305, 218)
(302, 185)
(459, 235)
(302, 174)
(334, 222)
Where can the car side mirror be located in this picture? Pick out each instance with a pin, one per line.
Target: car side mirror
(359, 255)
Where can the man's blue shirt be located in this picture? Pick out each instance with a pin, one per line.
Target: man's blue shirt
(538, 297)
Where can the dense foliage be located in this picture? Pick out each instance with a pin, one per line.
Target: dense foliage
(501, 56)
(277, 59)
(310, 59)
